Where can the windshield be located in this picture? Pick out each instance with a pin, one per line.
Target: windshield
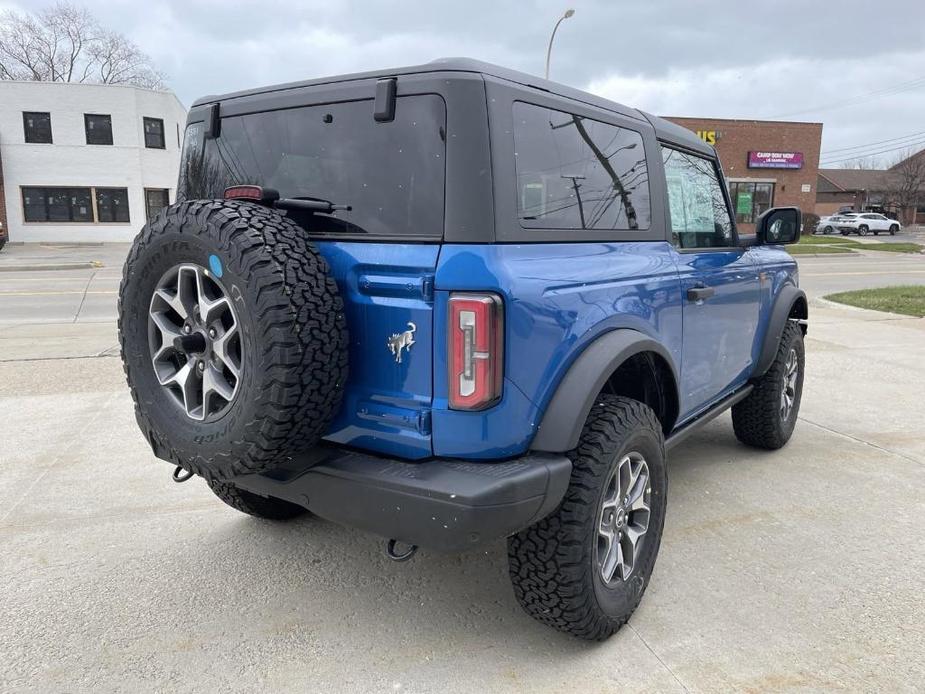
(391, 174)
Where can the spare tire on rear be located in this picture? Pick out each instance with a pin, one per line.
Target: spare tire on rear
(233, 337)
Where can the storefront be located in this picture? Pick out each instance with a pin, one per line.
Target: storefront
(767, 163)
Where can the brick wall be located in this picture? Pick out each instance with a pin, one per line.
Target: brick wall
(736, 138)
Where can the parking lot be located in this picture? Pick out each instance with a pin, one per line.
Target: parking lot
(798, 570)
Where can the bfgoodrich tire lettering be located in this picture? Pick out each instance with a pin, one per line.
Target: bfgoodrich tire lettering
(553, 564)
(293, 336)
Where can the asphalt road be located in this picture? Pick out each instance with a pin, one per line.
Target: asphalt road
(799, 570)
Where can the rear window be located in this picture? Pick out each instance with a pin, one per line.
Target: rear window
(577, 173)
(391, 174)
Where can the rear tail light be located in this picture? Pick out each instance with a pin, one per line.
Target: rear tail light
(476, 346)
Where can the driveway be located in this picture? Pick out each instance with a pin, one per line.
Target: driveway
(797, 570)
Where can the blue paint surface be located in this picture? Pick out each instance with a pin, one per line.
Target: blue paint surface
(215, 265)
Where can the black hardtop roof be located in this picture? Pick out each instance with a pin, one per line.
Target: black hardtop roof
(664, 129)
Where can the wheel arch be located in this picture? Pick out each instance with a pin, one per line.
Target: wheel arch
(791, 304)
(621, 362)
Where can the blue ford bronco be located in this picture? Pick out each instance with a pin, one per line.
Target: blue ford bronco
(454, 303)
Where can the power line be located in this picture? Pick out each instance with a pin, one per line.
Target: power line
(907, 145)
(872, 144)
(915, 83)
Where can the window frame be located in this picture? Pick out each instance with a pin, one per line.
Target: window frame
(524, 222)
(754, 183)
(87, 117)
(144, 132)
(96, 205)
(166, 191)
(501, 95)
(724, 187)
(94, 211)
(25, 128)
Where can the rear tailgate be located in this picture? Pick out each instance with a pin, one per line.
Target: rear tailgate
(388, 293)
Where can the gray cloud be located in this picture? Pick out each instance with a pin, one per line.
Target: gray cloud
(674, 57)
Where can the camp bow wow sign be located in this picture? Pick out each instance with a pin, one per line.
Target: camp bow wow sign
(775, 160)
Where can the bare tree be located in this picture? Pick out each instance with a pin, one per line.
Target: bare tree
(65, 43)
(907, 178)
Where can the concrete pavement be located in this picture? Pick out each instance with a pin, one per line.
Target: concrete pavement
(798, 570)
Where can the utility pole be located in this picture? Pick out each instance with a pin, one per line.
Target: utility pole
(581, 208)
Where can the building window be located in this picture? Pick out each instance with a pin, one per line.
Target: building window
(750, 199)
(156, 199)
(112, 205)
(154, 133)
(99, 128)
(577, 173)
(37, 127)
(57, 205)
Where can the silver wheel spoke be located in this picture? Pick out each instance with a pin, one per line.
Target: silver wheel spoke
(195, 344)
(624, 518)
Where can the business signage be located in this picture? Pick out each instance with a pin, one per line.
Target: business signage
(775, 160)
(709, 136)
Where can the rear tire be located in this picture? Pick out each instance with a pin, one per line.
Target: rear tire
(760, 420)
(2, 243)
(267, 507)
(558, 566)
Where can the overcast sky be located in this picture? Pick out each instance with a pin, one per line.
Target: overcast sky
(858, 67)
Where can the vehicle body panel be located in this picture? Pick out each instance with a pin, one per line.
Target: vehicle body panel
(558, 298)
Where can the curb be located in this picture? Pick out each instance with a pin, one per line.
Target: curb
(826, 303)
(51, 266)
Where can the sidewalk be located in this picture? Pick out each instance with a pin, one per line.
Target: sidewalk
(57, 256)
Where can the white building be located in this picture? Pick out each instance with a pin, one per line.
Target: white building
(85, 162)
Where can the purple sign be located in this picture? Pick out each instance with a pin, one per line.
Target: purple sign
(775, 160)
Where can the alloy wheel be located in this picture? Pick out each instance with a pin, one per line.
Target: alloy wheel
(623, 518)
(789, 387)
(195, 342)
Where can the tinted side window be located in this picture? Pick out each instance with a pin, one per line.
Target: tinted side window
(578, 173)
(391, 173)
(37, 127)
(699, 216)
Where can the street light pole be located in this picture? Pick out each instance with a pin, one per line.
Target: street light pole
(568, 13)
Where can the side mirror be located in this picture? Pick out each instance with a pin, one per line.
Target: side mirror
(779, 225)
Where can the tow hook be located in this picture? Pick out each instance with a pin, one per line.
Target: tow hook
(180, 475)
(395, 556)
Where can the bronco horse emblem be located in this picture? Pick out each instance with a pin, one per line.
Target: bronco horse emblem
(399, 341)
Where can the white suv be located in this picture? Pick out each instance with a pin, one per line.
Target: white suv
(864, 222)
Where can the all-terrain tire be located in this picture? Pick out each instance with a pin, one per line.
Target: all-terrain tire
(267, 507)
(293, 336)
(553, 564)
(757, 420)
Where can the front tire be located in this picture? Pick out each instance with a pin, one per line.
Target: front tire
(893, 230)
(767, 417)
(584, 569)
(862, 230)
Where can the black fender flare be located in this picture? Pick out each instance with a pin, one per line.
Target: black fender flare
(565, 415)
(780, 314)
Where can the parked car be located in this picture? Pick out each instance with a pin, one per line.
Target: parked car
(864, 222)
(827, 225)
(390, 300)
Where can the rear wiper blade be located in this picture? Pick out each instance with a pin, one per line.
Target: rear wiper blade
(310, 204)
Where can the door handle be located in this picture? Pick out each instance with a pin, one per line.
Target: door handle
(700, 293)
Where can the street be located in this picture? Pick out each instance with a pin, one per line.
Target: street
(800, 569)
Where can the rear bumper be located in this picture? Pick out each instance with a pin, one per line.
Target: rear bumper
(439, 504)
